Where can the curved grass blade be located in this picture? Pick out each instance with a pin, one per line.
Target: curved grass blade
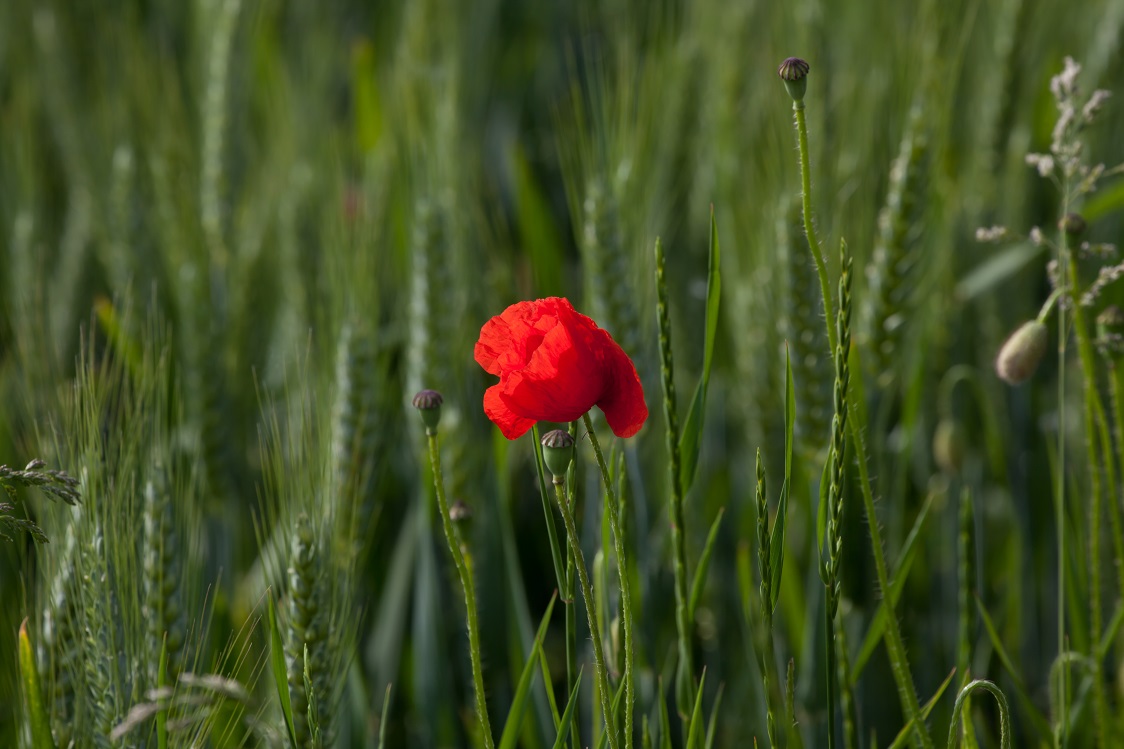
(665, 722)
(691, 438)
(510, 736)
(1004, 712)
(40, 725)
(704, 564)
(280, 671)
(568, 714)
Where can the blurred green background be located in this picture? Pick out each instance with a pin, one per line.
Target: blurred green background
(280, 219)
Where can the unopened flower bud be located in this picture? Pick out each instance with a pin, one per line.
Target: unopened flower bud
(557, 452)
(1021, 353)
(428, 403)
(949, 441)
(794, 73)
(1072, 224)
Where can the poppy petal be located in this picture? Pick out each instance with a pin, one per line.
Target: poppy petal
(510, 423)
(561, 381)
(623, 398)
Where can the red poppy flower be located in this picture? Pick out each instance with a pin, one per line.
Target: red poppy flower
(555, 364)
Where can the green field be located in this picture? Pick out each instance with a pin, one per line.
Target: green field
(878, 496)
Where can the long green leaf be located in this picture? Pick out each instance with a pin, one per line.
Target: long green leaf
(37, 720)
(691, 438)
(694, 729)
(519, 702)
(568, 715)
(903, 735)
(280, 671)
(665, 722)
(1036, 718)
(897, 585)
(776, 538)
(712, 727)
(704, 564)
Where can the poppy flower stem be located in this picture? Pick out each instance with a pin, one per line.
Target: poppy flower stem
(464, 570)
(622, 573)
(601, 673)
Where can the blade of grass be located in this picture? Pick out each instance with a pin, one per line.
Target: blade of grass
(776, 539)
(699, 582)
(567, 716)
(897, 585)
(691, 438)
(903, 735)
(37, 720)
(280, 671)
(712, 727)
(1041, 725)
(694, 730)
(510, 734)
(383, 719)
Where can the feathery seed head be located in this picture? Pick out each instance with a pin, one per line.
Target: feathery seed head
(557, 452)
(794, 72)
(1110, 332)
(428, 403)
(1021, 354)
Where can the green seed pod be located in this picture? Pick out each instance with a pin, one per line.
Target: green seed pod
(1023, 351)
(428, 403)
(557, 452)
(794, 72)
(949, 443)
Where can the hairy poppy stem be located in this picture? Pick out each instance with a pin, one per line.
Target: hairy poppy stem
(622, 573)
(601, 673)
(464, 570)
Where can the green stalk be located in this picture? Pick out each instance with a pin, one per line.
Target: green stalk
(600, 673)
(685, 686)
(899, 665)
(809, 223)
(465, 574)
(622, 573)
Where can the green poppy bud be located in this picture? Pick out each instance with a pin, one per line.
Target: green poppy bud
(1021, 354)
(794, 73)
(428, 403)
(557, 452)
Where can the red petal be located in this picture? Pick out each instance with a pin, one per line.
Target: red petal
(510, 423)
(561, 381)
(622, 400)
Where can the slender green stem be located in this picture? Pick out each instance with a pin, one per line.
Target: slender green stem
(846, 693)
(685, 686)
(601, 674)
(571, 643)
(809, 222)
(894, 644)
(465, 573)
(622, 573)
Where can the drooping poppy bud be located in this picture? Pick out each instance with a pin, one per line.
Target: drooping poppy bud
(557, 452)
(1021, 354)
(428, 403)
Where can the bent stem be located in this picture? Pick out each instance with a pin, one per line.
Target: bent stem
(464, 571)
(622, 573)
(599, 670)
